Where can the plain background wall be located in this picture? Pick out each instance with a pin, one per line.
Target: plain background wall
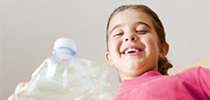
(30, 27)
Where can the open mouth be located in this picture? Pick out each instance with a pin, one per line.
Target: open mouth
(132, 50)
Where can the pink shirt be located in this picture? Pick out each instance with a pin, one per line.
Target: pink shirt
(193, 84)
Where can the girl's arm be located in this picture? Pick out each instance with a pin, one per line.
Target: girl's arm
(203, 62)
(199, 77)
(18, 87)
(204, 78)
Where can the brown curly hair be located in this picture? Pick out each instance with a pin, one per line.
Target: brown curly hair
(163, 63)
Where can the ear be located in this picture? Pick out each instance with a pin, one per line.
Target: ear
(164, 48)
(108, 59)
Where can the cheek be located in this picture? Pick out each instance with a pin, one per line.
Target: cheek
(110, 46)
(114, 45)
(151, 43)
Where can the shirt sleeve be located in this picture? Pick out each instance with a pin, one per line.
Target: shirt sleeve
(200, 77)
(204, 79)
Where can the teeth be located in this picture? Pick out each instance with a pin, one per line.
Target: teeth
(131, 50)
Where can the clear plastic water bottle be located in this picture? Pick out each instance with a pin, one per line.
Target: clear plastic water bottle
(63, 76)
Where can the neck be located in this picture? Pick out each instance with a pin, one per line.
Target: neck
(123, 77)
(129, 77)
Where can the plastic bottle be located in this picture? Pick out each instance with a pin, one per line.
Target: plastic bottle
(63, 76)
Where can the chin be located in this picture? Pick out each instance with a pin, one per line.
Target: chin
(135, 64)
(136, 73)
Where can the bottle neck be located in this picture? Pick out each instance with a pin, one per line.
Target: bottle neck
(64, 53)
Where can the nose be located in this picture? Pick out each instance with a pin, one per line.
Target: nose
(131, 37)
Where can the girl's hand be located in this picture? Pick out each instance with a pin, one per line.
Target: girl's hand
(11, 97)
(18, 88)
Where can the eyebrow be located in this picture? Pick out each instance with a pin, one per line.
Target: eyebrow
(143, 24)
(137, 23)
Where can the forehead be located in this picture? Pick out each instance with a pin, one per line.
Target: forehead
(129, 17)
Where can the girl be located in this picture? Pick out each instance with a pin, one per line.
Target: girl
(137, 48)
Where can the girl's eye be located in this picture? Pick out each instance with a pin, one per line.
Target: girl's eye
(118, 34)
(141, 31)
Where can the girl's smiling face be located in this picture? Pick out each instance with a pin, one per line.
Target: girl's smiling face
(133, 44)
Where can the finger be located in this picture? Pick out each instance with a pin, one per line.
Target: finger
(19, 87)
(12, 97)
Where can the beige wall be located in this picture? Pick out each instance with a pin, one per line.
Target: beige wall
(29, 28)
